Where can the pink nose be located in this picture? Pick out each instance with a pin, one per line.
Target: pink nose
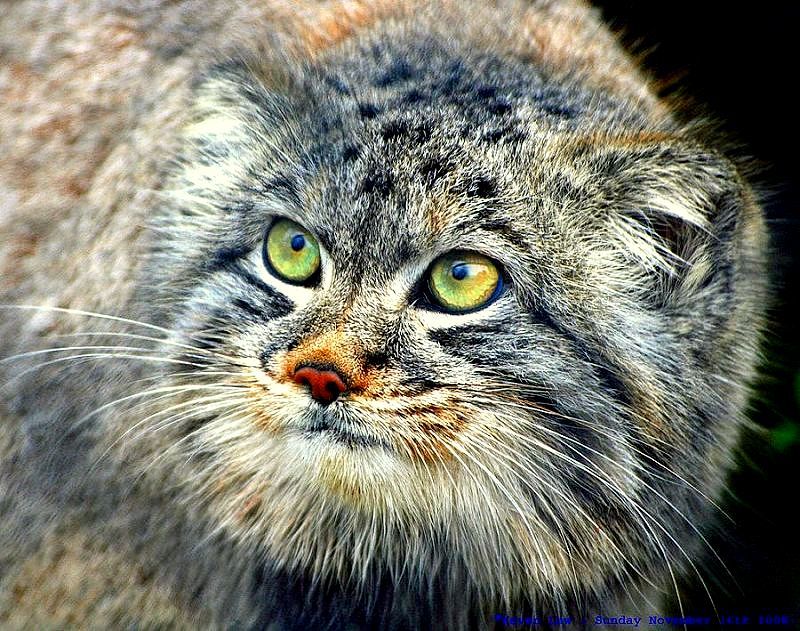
(326, 385)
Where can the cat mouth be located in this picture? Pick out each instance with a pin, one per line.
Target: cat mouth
(342, 433)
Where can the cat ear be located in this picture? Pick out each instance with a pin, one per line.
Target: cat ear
(235, 117)
(232, 105)
(682, 218)
(242, 86)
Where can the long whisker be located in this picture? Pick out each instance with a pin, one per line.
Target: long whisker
(542, 446)
(73, 348)
(157, 394)
(617, 464)
(163, 423)
(92, 356)
(500, 457)
(634, 506)
(523, 404)
(231, 414)
(113, 318)
(221, 419)
(452, 448)
(236, 361)
(92, 314)
(653, 490)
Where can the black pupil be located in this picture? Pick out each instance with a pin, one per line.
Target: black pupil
(298, 242)
(459, 271)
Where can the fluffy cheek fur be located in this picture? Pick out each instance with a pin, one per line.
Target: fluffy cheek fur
(458, 486)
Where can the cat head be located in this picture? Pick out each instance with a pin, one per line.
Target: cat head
(431, 303)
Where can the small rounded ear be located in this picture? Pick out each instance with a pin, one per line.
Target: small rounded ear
(237, 116)
(229, 97)
(684, 218)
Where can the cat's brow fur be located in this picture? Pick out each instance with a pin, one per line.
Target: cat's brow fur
(556, 451)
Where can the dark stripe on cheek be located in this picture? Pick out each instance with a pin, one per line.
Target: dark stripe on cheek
(198, 359)
(456, 338)
(206, 336)
(275, 304)
(222, 259)
(607, 374)
(611, 382)
(247, 307)
(195, 424)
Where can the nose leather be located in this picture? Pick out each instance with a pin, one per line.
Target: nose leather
(325, 385)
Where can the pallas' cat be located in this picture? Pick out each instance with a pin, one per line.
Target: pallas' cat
(357, 315)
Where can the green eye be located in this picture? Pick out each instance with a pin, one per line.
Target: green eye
(464, 281)
(291, 252)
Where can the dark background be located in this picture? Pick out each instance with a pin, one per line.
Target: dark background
(741, 61)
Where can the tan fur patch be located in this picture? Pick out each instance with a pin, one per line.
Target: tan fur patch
(440, 212)
(438, 427)
(648, 406)
(568, 37)
(340, 20)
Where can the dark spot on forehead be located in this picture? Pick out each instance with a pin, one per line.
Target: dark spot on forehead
(560, 110)
(481, 186)
(454, 74)
(378, 181)
(337, 84)
(499, 107)
(507, 134)
(396, 129)
(434, 169)
(350, 152)
(368, 110)
(412, 96)
(399, 71)
(486, 91)
(495, 135)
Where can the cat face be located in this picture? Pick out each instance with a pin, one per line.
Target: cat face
(426, 313)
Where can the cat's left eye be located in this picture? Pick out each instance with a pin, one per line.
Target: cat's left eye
(292, 253)
(459, 282)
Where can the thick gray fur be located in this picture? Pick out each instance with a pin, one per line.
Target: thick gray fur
(558, 452)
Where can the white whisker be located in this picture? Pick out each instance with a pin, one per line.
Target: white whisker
(91, 314)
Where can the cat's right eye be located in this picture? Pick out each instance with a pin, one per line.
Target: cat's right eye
(291, 253)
